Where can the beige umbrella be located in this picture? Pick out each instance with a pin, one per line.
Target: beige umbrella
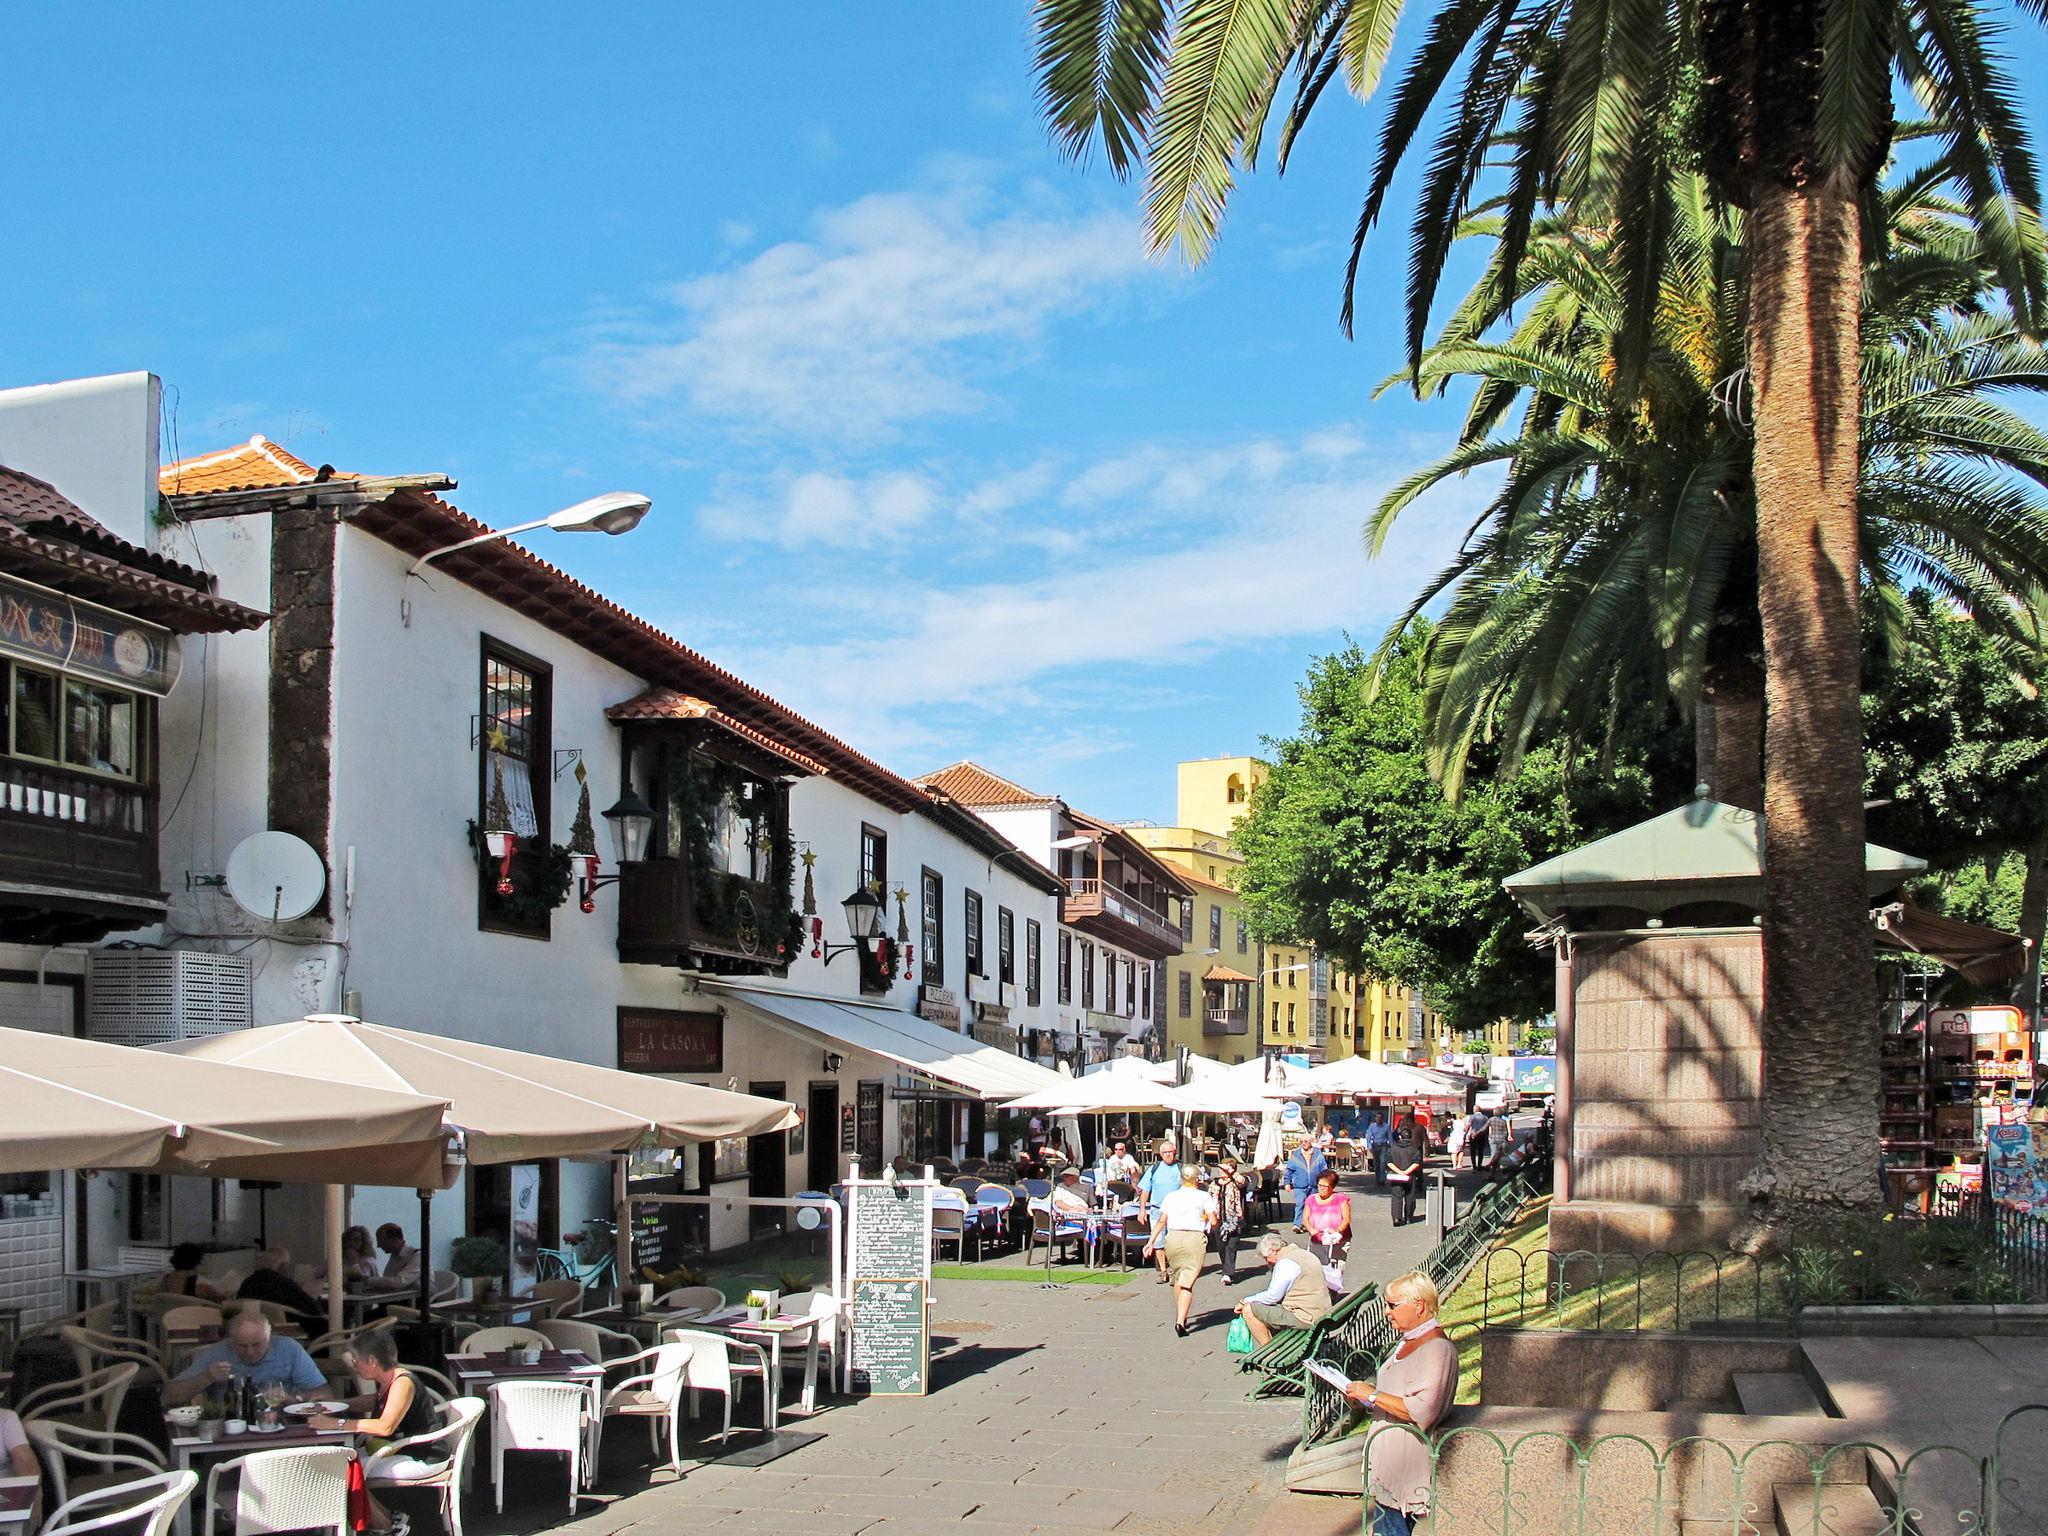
(509, 1106)
(85, 1104)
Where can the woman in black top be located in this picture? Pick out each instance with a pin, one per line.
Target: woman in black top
(183, 1280)
(397, 1408)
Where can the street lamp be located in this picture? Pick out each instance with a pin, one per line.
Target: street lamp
(631, 819)
(613, 512)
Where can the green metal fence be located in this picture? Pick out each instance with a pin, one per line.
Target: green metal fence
(1624, 1292)
(1545, 1483)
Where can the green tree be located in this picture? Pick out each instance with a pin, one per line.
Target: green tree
(1352, 844)
(1787, 104)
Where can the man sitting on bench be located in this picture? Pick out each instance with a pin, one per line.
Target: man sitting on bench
(1297, 1295)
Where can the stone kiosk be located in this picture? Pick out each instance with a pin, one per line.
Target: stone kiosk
(1659, 1014)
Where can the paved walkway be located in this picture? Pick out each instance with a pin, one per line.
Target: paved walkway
(1062, 1412)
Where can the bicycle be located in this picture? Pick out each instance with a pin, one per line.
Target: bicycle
(587, 1257)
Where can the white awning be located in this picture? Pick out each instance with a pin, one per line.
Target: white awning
(895, 1035)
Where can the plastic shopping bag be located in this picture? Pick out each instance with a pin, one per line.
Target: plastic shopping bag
(1239, 1340)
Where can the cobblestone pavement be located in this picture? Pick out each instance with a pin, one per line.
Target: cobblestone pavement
(1065, 1411)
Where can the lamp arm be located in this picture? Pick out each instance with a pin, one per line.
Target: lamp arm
(482, 538)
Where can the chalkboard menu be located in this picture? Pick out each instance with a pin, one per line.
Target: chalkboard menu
(891, 1337)
(890, 1269)
(658, 1237)
(891, 1231)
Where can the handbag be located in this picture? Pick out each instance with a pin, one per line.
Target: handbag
(358, 1496)
(1239, 1340)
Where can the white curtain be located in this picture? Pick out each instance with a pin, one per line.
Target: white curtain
(518, 792)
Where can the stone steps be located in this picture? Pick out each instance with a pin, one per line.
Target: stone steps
(1779, 1394)
(1839, 1509)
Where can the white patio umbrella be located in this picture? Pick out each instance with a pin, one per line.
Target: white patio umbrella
(1356, 1077)
(510, 1106)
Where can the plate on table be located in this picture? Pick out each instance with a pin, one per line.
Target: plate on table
(266, 1429)
(308, 1410)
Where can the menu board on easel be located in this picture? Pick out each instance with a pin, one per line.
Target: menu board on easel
(889, 1269)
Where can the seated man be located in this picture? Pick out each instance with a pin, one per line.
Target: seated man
(1295, 1297)
(250, 1352)
(269, 1281)
(401, 1270)
(1068, 1197)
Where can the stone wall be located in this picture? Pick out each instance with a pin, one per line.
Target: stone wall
(301, 776)
(1662, 1040)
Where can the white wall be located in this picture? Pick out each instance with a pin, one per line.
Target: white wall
(93, 439)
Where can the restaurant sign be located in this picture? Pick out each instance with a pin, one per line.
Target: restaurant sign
(670, 1040)
(940, 1005)
(84, 639)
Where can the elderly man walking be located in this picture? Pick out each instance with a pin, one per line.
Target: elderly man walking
(1160, 1179)
(1296, 1295)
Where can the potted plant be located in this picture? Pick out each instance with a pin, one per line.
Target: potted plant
(482, 1261)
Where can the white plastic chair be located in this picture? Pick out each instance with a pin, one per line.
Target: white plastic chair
(154, 1501)
(538, 1416)
(561, 1295)
(96, 1396)
(461, 1416)
(296, 1488)
(97, 1318)
(92, 1350)
(654, 1393)
(603, 1344)
(487, 1341)
(701, 1298)
(825, 1309)
(114, 1457)
(188, 1316)
(710, 1369)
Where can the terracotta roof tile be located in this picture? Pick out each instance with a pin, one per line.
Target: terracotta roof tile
(971, 784)
(668, 704)
(1225, 973)
(256, 465)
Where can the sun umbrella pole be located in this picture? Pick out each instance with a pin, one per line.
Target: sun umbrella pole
(426, 1255)
(335, 1278)
(622, 1215)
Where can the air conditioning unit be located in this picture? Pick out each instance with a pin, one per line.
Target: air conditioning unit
(150, 996)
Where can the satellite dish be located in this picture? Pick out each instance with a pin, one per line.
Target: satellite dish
(275, 876)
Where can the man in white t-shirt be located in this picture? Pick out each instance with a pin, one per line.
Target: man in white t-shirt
(1186, 1217)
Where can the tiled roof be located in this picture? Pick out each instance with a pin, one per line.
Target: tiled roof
(971, 784)
(668, 704)
(1225, 973)
(257, 465)
(1202, 880)
(48, 538)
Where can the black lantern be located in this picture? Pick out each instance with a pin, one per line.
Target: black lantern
(863, 915)
(632, 819)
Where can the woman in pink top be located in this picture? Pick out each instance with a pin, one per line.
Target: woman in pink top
(1327, 1215)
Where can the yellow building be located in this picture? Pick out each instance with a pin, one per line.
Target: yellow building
(1227, 995)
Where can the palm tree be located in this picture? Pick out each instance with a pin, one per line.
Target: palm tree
(1789, 105)
(1619, 556)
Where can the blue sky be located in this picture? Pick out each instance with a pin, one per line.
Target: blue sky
(938, 455)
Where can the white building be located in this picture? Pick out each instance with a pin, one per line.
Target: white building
(1121, 911)
(379, 716)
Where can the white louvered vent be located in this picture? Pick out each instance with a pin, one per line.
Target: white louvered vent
(148, 996)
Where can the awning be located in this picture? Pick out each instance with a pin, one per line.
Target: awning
(511, 1106)
(893, 1034)
(1976, 953)
(86, 1104)
(1225, 973)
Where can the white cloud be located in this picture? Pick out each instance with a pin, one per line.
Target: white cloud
(1268, 548)
(833, 511)
(899, 307)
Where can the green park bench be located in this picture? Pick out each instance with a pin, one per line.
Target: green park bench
(1280, 1361)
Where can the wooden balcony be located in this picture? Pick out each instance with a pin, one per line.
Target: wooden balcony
(722, 922)
(1118, 918)
(1226, 1021)
(78, 854)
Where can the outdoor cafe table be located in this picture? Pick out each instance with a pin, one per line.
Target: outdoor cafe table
(764, 1338)
(497, 1311)
(476, 1374)
(189, 1445)
(17, 1498)
(119, 1278)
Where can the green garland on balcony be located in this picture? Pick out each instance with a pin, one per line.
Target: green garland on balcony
(540, 883)
(698, 784)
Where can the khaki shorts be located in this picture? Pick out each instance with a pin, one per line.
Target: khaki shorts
(1184, 1252)
(1275, 1316)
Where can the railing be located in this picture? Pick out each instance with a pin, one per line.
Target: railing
(30, 789)
(1479, 1483)
(1118, 905)
(76, 831)
(1225, 1021)
(1628, 1293)
(2018, 1238)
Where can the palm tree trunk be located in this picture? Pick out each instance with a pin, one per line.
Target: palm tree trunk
(1728, 735)
(1820, 1091)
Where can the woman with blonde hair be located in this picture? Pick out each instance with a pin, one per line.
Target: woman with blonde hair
(1410, 1396)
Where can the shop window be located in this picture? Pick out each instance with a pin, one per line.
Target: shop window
(516, 732)
(934, 928)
